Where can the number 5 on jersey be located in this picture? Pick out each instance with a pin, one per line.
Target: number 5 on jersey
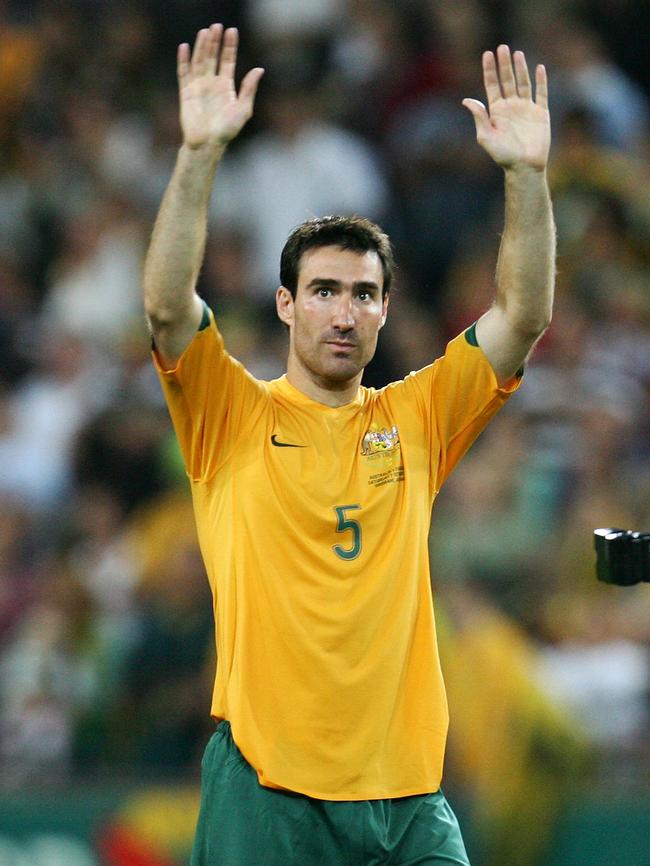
(344, 524)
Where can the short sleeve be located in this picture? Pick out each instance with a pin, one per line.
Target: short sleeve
(211, 398)
(460, 394)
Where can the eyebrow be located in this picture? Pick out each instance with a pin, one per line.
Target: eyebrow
(368, 285)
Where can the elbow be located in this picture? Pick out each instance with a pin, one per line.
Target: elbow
(172, 324)
(545, 320)
(153, 308)
(162, 316)
(526, 332)
(542, 325)
(158, 318)
(530, 324)
(534, 330)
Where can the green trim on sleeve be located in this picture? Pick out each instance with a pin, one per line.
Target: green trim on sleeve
(470, 335)
(205, 319)
(204, 323)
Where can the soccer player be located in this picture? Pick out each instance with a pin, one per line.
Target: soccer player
(313, 495)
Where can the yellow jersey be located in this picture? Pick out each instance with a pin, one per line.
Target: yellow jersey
(313, 524)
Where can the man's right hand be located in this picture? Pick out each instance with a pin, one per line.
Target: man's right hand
(211, 111)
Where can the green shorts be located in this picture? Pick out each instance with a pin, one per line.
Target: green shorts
(242, 823)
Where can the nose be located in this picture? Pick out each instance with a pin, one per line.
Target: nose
(343, 318)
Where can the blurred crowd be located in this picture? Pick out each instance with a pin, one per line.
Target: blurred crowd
(106, 631)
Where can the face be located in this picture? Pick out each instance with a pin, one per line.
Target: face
(335, 318)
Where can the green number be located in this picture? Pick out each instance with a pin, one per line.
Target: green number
(343, 524)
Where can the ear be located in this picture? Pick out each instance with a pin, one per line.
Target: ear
(384, 310)
(284, 305)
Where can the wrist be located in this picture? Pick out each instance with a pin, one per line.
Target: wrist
(526, 180)
(208, 153)
(195, 171)
(524, 170)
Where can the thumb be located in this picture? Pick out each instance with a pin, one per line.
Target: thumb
(248, 87)
(478, 112)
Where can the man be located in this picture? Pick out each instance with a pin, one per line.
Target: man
(313, 496)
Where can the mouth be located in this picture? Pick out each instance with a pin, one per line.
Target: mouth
(341, 347)
(341, 344)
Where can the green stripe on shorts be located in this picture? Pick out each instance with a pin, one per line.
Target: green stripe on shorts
(242, 823)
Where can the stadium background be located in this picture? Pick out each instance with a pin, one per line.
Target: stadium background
(105, 624)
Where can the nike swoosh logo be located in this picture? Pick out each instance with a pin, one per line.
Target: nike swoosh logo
(277, 444)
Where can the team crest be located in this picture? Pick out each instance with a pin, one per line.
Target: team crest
(380, 441)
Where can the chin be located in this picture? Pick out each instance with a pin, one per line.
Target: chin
(343, 372)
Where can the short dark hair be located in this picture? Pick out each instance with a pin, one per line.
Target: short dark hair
(355, 233)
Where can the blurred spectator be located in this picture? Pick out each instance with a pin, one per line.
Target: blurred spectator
(102, 561)
(586, 77)
(169, 669)
(120, 449)
(138, 152)
(15, 308)
(288, 20)
(596, 669)
(493, 522)
(508, 736)
(18, 565)
(300, 166)
(624, 26)
(48, 677)
(40, 420)
(585, 175)
(446, 189)
(378, 62)
(20, 56)
(93, 285)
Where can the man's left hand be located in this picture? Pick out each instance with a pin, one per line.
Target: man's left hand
(515, 128)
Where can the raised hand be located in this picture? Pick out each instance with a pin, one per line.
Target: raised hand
(211, 110)
(515, 128)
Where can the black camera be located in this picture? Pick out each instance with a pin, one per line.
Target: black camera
(622, 556)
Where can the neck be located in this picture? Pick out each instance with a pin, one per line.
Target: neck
(326, 391)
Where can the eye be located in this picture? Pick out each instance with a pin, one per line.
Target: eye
(323, 292)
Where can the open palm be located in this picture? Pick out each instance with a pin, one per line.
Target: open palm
(211, 110)
(515, 128)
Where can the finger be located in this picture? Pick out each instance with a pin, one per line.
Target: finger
(228, 58)
(183, 62)
(479, 113)
(490, 78)
(200, 55)
(248, 87)
(506, 74)
(216, 31)
(541, 86)
(522, 77)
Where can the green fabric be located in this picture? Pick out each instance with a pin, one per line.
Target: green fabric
(205, 318)
(242, 823)
(470, 335)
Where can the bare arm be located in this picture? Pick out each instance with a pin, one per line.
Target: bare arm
(211, 114)
(515, 131)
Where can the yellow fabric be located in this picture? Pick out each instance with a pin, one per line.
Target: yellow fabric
(328, 669)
